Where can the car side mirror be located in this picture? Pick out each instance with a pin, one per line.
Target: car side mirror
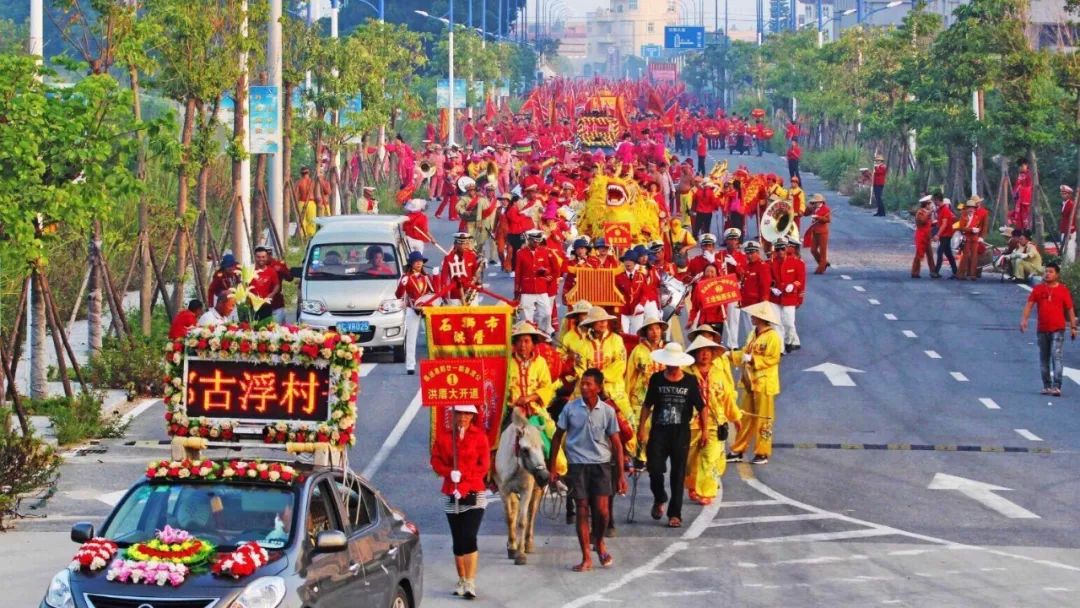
(82, 532)
(330, 541)
(296, 272)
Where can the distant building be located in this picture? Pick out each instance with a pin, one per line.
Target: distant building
(617, 33)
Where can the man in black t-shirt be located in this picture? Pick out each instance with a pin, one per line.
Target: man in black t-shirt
(672, 398)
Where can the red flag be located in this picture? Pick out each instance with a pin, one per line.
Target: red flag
(620, 113)
(667, 120)
(489, 109)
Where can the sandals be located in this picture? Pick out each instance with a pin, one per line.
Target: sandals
(582, 567)
(674, 522)
(657, 511)
(606, 560)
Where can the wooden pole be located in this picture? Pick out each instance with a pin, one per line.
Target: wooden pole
(60, 364)
(50, 304)
(5, 361)
(160, 284)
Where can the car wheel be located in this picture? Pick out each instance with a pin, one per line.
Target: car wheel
(401, 599)
(399, 354)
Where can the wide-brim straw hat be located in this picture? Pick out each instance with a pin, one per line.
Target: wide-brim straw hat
(672, 355)
(596, 313)
(524, 328)
(703, 330)
(763, 311)
(974, 200)
(581, 307)
(701, 342)
(652, 321)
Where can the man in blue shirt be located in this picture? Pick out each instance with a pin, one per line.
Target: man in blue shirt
(591, 430)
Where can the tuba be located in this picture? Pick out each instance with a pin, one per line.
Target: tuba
(778, 221)
(427, 169)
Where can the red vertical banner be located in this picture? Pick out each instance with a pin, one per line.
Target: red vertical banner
(468, 346)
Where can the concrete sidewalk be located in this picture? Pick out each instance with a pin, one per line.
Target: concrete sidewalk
(30, 559)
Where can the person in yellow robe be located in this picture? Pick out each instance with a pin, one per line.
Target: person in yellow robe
(706, 463)
(760, 379)
(603, 349)
(640, 367)
(529, 386)
(572, 332)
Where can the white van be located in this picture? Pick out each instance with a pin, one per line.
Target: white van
(351, 269)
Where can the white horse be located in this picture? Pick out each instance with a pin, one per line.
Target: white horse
(521, 474)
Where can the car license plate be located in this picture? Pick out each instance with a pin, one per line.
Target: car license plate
(353, 327)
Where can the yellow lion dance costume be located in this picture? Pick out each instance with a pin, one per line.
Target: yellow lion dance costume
(619, 200)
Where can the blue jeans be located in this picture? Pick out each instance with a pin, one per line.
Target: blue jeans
(1051, 357)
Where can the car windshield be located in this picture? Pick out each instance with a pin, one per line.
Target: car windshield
(226, 515)
(352, 261)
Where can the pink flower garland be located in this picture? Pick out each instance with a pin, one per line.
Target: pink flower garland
(247, 558)
(94, 554)
(147, 573)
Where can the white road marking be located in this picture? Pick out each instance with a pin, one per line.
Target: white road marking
(765, 519)
(1055, 589)
(983, 493)
(112, 498)
(139, 409)
(989, 403)
(367, 368)
(1024, 287)
(845, 277)
(873, 301)
(393, 438)
(750, 503)
(1072, 374)
(889, 316)
(1026, 434)
(687, 593)
(908, 333)
(838, 375)
(824, 559)
(932, 354)
(491, 274)
(958, 376)
(815, 537)
(858, 288)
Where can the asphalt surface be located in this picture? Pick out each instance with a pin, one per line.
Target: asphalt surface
(843, 515)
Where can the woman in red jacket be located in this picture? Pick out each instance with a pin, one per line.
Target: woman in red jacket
(464, 489)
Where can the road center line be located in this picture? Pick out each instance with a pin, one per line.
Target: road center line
(858, 288)
(1026, 434)
(932, 354)
(989, 403)
(958, 376)
(845, 277)
(873, 301)
(393, 438)
(910, 334)
(889, 316)
(1024, 287)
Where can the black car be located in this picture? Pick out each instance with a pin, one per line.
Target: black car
(332, 540)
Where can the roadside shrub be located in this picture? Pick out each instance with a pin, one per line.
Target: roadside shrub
(902, 192)
(134, 365)
(78, 418)
(833, 165)
(1070, 275)
(26, 464)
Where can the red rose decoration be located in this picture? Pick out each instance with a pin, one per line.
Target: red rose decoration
(226, 344)
(203, 344)
(264, 475)
(286, 348)
(245, 346)
(263, 347)
(286, 476)
(178, 346)
(168, 416)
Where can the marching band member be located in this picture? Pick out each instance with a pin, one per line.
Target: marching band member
(706, 463)
(1067, 223)
(923, 246)
(580, 258)
(485, 223)
(817, 235)
(629, 283)
(760, 361)
(459, 269)
(699, 315)
(734, 262)
(537, 268)
(603, 251)
(757, 280)
(697, 264)
(791, 281)
(417, 232)
(413, 285)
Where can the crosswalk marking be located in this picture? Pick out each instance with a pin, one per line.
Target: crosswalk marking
(845, 277)
(932, 354)
(858, 288)
(890, 317)
(910, 334)
(873, 301)
(989, 403)
(958, 376)
(768, 519)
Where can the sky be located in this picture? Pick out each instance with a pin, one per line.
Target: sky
(740, 12)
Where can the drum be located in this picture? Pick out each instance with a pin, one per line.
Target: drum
(672, 291)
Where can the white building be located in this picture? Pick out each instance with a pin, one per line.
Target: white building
(618, 32)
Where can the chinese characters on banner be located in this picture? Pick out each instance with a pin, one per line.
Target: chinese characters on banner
(252, 391)
(718, 291)
(469, 346)
(617, 235)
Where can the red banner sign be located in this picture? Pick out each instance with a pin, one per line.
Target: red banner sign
(618, 235)
(239, 390)
(462, 331)
(718, 291)
(479, 381)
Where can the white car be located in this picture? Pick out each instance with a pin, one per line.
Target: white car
(351, 270)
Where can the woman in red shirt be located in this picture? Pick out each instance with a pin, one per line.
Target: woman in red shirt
(464, 490)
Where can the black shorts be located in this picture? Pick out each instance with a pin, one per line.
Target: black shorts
(588, 480)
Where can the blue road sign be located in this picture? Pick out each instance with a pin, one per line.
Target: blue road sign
(684, 37)
(651, 51)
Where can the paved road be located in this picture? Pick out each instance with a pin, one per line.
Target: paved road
(843, 515)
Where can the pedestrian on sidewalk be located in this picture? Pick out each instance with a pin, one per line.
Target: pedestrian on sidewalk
(464, 490)
(880, 170)
(591, 430)
(672, 399)
(1054, 303)
(794, 154)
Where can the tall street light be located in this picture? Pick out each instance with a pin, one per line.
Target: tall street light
(450, 76)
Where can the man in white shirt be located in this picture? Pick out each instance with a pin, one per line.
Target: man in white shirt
(221, 313)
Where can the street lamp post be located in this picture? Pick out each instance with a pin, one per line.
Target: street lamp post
(450, 69)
